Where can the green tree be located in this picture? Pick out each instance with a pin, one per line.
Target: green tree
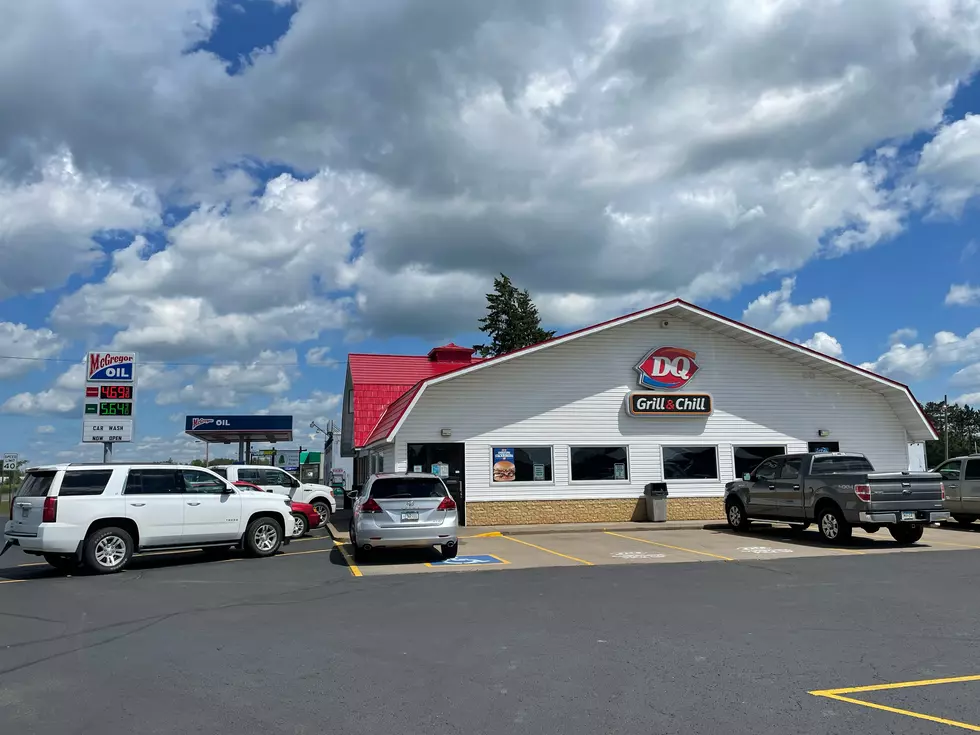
(512, 320)
(963, 426)
(197, 462)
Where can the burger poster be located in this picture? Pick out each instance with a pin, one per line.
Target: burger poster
(504, 469)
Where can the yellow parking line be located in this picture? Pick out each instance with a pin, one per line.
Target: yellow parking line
(906, 712)
(11, 581)
(541, 548)
(947, 543)
(354, 569)
(34, 564)
(668, 546)
(896, 685)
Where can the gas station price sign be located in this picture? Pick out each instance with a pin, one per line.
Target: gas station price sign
(110, 397)
(116, 392)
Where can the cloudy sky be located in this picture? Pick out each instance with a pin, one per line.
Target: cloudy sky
(244, 191)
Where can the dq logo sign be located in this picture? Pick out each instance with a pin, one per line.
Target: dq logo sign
(667, 368)
(110, 366)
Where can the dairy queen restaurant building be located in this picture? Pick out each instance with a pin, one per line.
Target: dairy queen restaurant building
(572, 429)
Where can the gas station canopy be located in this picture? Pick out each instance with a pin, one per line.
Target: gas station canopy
(239, 429)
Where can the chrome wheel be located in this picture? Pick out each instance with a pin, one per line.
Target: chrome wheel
(110, 551)
(266, 537)
(734, 515)
(322, 510)
(299, 526)
(829, 526)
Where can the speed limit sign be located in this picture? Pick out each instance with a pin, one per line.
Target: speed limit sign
(9, 462)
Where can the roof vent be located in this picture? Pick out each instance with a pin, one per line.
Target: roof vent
(451, 353)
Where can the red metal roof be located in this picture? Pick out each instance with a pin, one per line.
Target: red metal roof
(398, 408)
(378, 380)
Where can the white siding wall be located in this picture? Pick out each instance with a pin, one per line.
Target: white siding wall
(574, 394)
(384, 453)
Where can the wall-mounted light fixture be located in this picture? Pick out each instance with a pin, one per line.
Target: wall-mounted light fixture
(446, 432)
(823, 432)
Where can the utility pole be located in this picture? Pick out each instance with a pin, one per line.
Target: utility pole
(946, 422)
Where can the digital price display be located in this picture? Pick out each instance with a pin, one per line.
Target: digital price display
(115, 409)
(116, 392)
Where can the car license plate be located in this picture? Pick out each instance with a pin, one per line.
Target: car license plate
(410, 516)
(908, 515)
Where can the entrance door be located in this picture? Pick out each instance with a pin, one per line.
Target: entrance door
(429, 457)
(823, 446)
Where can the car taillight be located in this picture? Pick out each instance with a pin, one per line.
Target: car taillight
(942, 489)
(50, 510)
(863, 492)
(447, 504)
(371, 506)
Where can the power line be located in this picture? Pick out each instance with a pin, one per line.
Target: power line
(154, 362)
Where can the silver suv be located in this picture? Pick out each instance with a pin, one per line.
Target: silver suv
(100, 515)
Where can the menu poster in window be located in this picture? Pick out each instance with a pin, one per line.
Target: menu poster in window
(504, 469)
(619, 471)
(538, 472)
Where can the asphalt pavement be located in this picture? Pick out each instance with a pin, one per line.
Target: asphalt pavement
(296, 644)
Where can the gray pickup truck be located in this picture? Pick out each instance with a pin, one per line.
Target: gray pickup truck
(838, 491)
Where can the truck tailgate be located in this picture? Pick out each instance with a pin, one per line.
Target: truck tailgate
(906, 490)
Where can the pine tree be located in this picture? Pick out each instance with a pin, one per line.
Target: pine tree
(512, 320)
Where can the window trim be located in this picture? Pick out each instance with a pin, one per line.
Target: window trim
(693, 480)
(537, 483)
(629, 465)
(735, 475)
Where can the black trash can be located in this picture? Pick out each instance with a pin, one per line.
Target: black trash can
(656, 498)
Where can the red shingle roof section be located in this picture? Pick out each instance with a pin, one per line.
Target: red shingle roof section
(379, 380)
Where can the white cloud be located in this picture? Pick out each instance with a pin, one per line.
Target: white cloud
(63, 398)
(968, 376)
(17, 341)
(228, 385)
(919, 361)
(319, 407)
(968, 399)
(566, 139)
(45, 429)
(774, 311)
(963, 294)
(49, 221)
(823, 342)
(951, 162)
(903, 335)
(318, 357)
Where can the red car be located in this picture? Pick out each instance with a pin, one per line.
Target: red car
(305, 516)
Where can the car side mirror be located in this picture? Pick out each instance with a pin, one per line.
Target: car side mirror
(747, 477)
(294, 483)
(228, 490)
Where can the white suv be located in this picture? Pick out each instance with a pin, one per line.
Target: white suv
(276, 480)
(100, 515)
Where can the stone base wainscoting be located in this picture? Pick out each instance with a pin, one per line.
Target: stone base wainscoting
(516, 513)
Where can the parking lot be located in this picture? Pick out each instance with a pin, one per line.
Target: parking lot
(644, 545)
(768, 632)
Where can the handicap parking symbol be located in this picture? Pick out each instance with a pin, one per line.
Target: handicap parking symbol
(468, 561)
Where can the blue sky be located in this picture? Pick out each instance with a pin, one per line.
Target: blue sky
(277, 195)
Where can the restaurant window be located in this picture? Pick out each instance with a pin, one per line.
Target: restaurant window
(690, 463)
(521, 464)
(591, 464)
(748, 458)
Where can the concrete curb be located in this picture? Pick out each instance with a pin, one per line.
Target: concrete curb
(477, 531)
(537, 530)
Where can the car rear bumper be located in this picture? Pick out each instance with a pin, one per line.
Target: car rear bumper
(368, 532)
(921, 516)
(51, 538)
